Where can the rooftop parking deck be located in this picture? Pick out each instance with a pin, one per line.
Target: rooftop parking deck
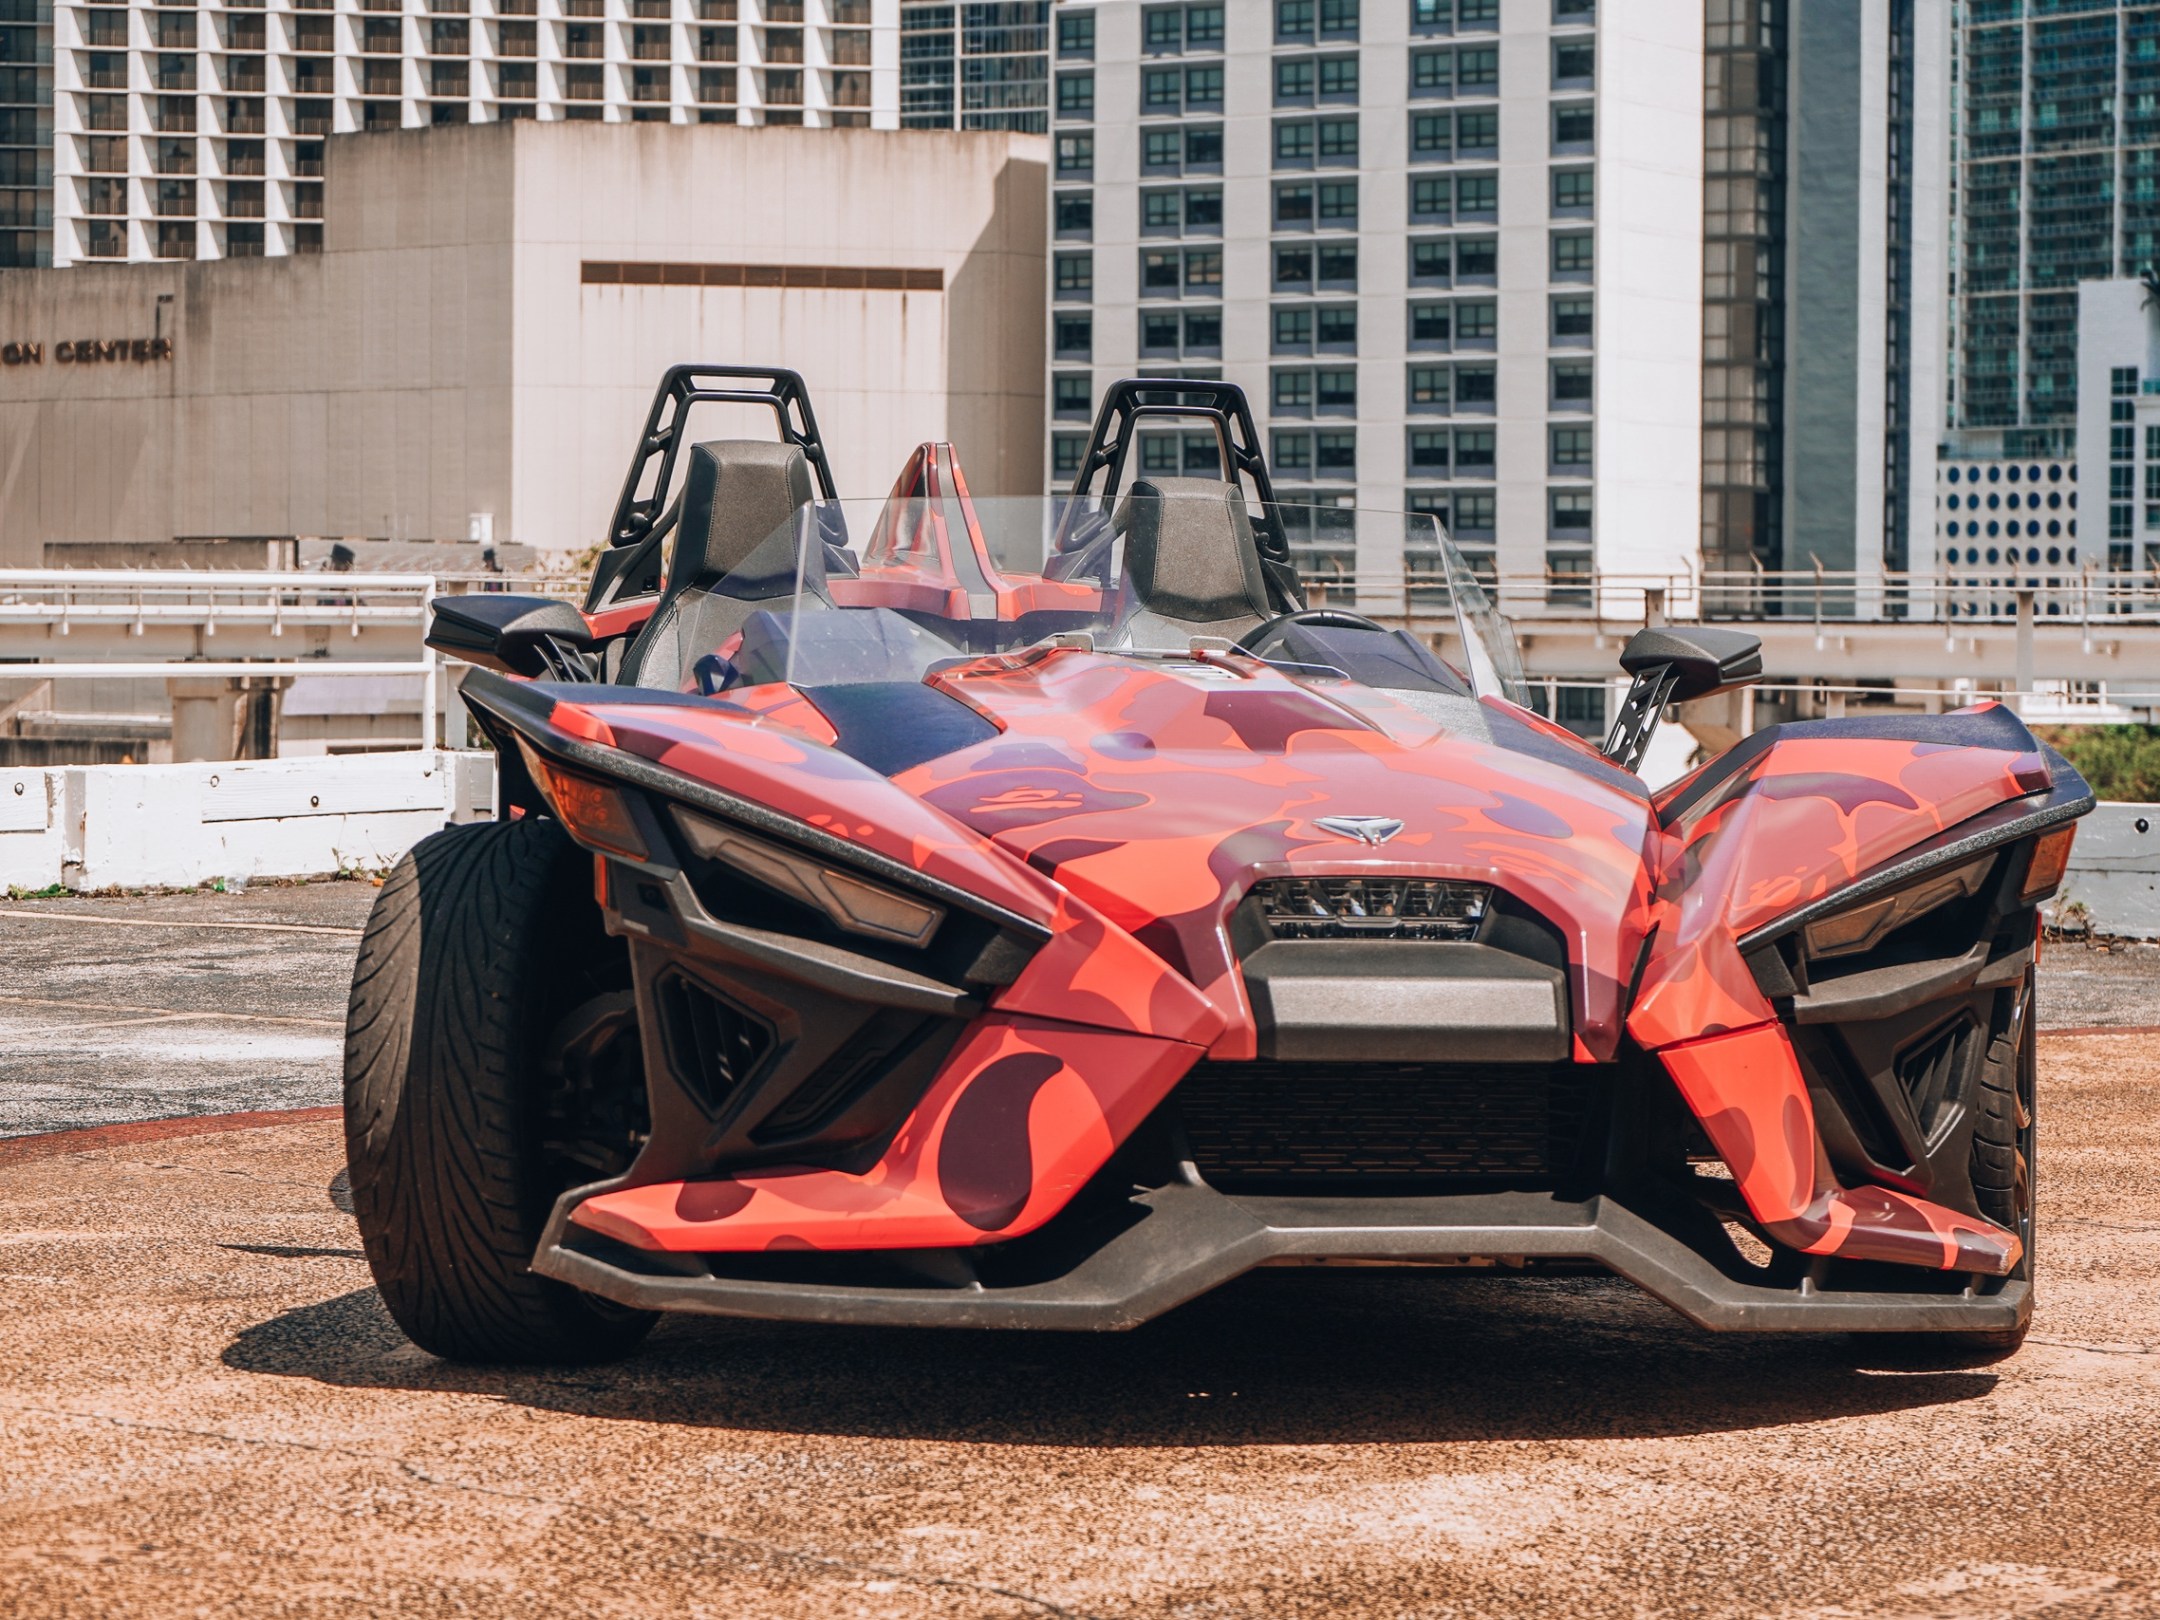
(204, 1409)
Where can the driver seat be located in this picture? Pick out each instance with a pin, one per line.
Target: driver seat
(1193, 562)
(737, 496)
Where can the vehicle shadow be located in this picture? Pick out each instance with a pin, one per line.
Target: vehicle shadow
(1272, 1359)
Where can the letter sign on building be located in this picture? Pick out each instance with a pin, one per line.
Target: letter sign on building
(89, 351)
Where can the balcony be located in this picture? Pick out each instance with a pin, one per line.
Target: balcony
(307, 202)
(244, 204)
(715, 49)
(246, 79)
(578, 49)
(783, 45)
(175, 31)
(245, 121)
(584, 8)
(106, 36)
(581, 84)
(174, 123)
(851, 89)
(783, 11)
(383, 81)
(652, 50)
(247, 163)
(851, 50)
(716, 89)
(308, 166)
(455, 83)
(716, 10)
(176, 207)
(517, 8)
(247, 35)
(175, 81)
(176, 247)
(850, 13)
(382, 5)
(107, 78)
(643, 91)
(652, 10)
(310, 124)
(783, 89)
(515, 45)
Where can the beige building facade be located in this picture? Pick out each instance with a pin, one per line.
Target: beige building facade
(472, 354)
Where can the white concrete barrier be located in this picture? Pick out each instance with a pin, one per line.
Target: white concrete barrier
(2114, 873)
(175, 826)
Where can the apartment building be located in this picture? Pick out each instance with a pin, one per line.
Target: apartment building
(145, 130)
(1451, 249)
(984, 66)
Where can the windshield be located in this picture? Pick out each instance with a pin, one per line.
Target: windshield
(847, 592)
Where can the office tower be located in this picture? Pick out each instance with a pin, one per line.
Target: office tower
(2057, 170)
(975, 66)
(1451, 249)
(196, 131)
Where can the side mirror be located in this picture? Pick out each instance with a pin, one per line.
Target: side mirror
(519, 635)
(1673, 664)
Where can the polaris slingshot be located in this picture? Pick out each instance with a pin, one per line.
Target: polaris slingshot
(1033, 914)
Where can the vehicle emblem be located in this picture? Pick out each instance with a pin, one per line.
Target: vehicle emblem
(1365, 829)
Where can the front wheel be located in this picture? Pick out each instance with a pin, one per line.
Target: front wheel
(2002, 1178)
(481, 939)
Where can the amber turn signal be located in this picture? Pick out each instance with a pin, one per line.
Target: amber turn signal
(593, 813)
(2049, 859)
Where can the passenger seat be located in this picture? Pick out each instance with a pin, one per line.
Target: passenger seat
(1193, 562)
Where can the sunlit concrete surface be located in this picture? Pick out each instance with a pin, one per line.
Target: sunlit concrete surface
(203, 1409)
(141, 1007)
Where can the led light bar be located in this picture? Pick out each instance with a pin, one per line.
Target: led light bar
(1372, 907)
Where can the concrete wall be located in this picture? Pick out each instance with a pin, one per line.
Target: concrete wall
(886, 369)
(176, 826)
(441, 358)
(2115, 872)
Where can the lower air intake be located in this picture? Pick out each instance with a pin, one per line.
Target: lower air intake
(1378, 1127)
(713, 1046)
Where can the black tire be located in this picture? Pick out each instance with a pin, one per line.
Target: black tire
(2003, 1184)
(481, 938)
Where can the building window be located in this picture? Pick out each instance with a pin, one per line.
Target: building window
(1477, 322)
(1474, 452)
(1075, 213)
(1432, 137)
(1477, 196)
(1075, 157)
(1428, 455)
(1291, 391)
(1477, 260)
(1338, 205)
(1203, 210)
(1162, 151)
(1432, 326)
(1573, 257)
(1293, 329)
(1076, 33)
(1293, 144)
(1574, 64)
(1477, 72)
(1066, 449)
(1294, 21)
(1295, 81)
(1337, 263)
(1573, 192)
(1159, 275)
(1432, 262)
(1160, 95)
(1073, 335)
(1571, 320)
(1203, 147)
(1570, 514)
(1473, 515)
(1430, 393)
(1570, 449)
(1075, 275)
(1571, 385)
(1338, 78)
(1076, 95)
(1069, 393)
(1203, 269)
(1163, 29)
(1293, 208)
(1574, 128)
(1159, 330)
(1432, 73)
(1474, 389)
(1204, 88)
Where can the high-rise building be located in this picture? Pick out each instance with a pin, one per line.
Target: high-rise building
(1451, 249)
(146, 130)
(2057, 170)
(975, 66)
(1825, 221)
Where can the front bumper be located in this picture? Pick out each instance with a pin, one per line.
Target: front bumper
(1176, 1242)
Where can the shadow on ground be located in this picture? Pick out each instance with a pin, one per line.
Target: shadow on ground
(1272, 1359)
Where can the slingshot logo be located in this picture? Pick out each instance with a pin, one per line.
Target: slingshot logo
(1365, 829)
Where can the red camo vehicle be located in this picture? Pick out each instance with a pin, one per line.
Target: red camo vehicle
(1009, 913)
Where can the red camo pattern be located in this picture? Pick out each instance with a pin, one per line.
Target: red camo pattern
(1747, 1089)
(1022, 1114)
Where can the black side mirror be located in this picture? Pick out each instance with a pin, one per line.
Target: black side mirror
(519, 635)
(1673, 664)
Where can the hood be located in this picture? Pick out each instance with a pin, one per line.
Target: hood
(1159, 791)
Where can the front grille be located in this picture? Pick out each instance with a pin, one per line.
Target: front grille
(1371, 907)
(1376, 1127)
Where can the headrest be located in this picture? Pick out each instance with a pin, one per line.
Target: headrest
(737, 493)
(1190, 550)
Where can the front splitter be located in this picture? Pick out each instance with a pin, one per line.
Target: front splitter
(1190, 1239)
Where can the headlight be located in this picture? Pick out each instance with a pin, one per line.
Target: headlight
(853, 903)
(1371, 907)
(1867, 925)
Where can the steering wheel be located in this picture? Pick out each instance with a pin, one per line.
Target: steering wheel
(1320, 618)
